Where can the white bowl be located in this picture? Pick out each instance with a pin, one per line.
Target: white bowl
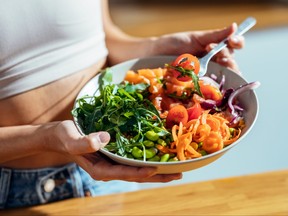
(248, 101)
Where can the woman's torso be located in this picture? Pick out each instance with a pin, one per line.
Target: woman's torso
(52, 102)
(49, 49)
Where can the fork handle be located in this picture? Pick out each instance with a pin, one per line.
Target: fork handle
(242, 28)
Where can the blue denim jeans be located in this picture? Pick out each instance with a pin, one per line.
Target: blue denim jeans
(20, 188)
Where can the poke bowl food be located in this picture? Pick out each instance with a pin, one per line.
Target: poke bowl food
(159, 113)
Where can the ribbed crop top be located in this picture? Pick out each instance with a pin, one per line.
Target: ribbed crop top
(44, 40)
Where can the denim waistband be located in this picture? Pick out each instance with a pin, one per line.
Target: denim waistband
(20, 188)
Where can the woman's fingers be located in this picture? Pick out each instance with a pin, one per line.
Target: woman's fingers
(83, 150)
(101, 168)
(226, 52)
(236, 41)
(229, 63)
(215, 36)
(224, 57)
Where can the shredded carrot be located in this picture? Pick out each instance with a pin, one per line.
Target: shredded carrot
(180, 132)
(213, 123)
(193, 152)
(163, 149)
(202, 132)
(195, 126)
(234, 138)
(174, 132)
(209, 132)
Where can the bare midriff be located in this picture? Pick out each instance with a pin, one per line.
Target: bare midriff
(51, 102)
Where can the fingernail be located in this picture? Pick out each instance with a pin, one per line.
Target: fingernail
(212, 46)
(224, 59)
(235, 39)
(102, 138)
(234, 25)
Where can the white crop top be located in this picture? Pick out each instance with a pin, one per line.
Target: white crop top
(44, 40)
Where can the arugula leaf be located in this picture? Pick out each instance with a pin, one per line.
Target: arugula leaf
(122, 110)
(190, 73)
(105, 78)
(195, 79)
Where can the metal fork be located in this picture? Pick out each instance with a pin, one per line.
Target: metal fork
(242, 28)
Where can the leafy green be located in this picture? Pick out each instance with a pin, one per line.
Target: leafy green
(123, 111)
(105, 78)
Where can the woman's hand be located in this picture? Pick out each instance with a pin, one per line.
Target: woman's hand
(123, 47)
(83, 150)
(199, 43)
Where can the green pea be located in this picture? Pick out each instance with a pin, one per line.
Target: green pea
(164, 158)
(148, 143)
(156, 158)
(152, 135)
(150, 153)
(232, 131)
(136, 152)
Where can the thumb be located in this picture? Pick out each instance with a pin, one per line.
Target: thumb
(72, 142)
(216, 36)
(79, 144)
(89, 143)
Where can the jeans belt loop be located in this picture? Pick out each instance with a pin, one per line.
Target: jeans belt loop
(76, 178)
(5, 176)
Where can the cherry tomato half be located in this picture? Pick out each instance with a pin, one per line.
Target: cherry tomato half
(195, 111)
(176, 115)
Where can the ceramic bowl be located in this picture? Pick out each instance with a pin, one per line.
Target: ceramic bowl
(248, 101)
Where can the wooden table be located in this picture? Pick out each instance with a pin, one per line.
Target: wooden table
(259, 194)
